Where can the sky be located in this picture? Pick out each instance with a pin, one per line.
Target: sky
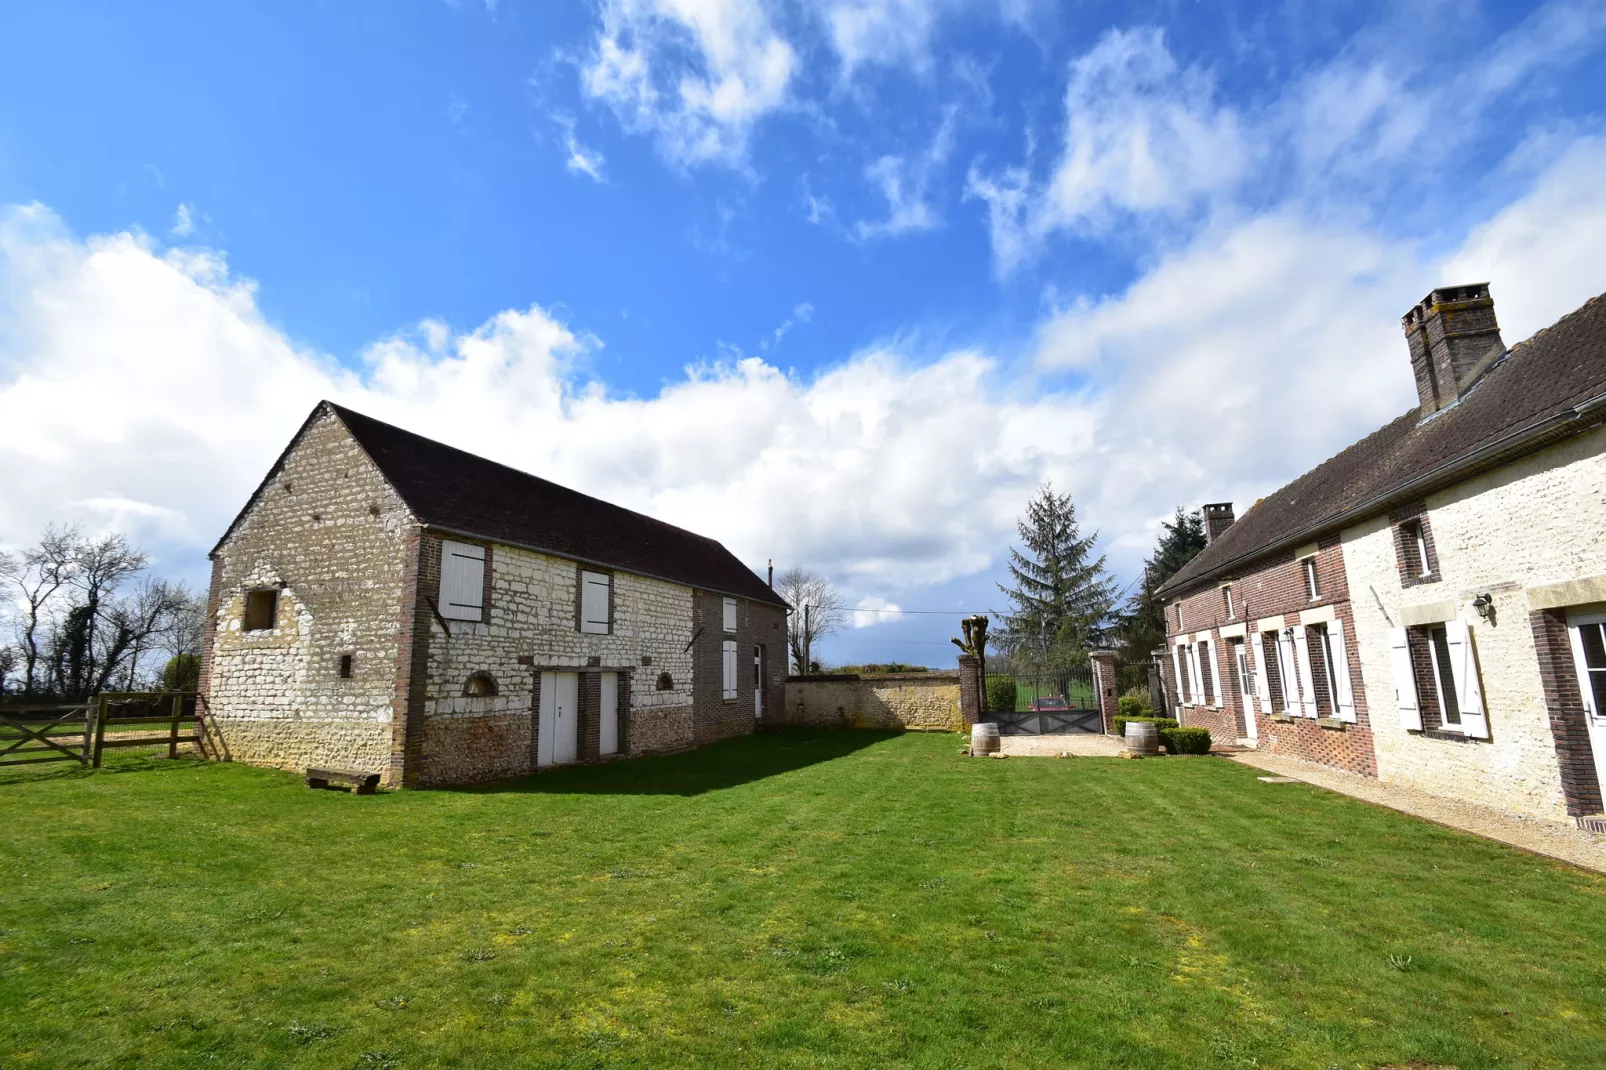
(840, 283)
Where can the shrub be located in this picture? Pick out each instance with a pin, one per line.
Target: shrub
(1000, 694)
(1185, 740)
(1162, 723)
(1132, 706)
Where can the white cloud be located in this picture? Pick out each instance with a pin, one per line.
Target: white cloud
(887, 32)
(697, 75)
(183, 221)
(1237, 362)
(579, 159)
(875, 610)
(905, 183)
(1142, 135)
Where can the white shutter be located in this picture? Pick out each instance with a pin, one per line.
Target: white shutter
(1257, 659)
(730, 614)
(730, 668)
(1195, 685)
(1345, 699)
(1464, 667)
(462, 594)
(1307, 683)
(1405, 697)
(1176, 669)
(595, 589)
(1586, 686)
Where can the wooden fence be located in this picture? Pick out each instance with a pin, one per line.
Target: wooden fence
(81, 732)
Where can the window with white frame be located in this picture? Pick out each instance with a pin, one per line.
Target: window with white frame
(1206, 677)
(1226, 598)
(1288, 672)
(1195, 683)
(1246, 676)
(1588, 635)
(730, 668)
(1178, 674)
(1271, 662)
(729, 619)
(1436, 683)
(1313, 585)
(462, 592)
(596, 603)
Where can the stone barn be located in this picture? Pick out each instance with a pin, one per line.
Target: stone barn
(387, 603)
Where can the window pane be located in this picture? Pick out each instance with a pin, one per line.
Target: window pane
(1447, 699)
(1594, 648)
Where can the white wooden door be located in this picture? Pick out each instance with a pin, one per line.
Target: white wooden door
(558, 738)
(609, 734)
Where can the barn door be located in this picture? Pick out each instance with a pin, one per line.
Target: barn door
(558, 739)
(609, 729)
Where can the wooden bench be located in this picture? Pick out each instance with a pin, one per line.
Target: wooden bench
(357, 783)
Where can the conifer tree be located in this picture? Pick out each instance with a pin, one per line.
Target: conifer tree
(1063, 597)
(1142, 625)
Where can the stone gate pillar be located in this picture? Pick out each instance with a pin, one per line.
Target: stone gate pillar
(970, 691)
(1104, 684)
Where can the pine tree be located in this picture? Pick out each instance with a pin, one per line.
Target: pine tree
(1142, 626)
(1063, 596)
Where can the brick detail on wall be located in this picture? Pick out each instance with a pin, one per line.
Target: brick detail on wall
(420, 580)
(590, 726)
(1405, 550)
(1579, 783)
(210, 745)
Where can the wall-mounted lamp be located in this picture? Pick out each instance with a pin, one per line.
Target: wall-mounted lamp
(1484, 604)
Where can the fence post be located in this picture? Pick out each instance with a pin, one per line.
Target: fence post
(172, 735)
(1104, 684)
(100, 727)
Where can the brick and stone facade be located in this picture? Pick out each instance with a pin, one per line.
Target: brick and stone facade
(1460, 556)
(357, 575)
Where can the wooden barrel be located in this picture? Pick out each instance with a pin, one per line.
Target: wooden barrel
(984, 738)
(1142, 738)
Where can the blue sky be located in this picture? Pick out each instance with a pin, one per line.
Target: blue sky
(838, 282)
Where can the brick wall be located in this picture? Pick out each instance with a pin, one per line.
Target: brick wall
(1270, 595)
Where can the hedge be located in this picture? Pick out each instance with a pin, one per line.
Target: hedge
(1132, 706)
(1186, 740)
(1119, 723)
(1000, 694)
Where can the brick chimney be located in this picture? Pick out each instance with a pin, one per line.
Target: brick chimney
(1453, 338)
(1217, 518)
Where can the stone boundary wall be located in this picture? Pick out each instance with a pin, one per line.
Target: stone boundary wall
(912, 701)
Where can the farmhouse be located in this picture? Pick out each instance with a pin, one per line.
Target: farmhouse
(1427, 606)
(389, 604)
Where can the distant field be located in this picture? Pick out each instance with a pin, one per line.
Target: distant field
(834, 899)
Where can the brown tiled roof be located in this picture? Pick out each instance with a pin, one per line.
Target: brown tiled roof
(1524, 401)
(460, 492)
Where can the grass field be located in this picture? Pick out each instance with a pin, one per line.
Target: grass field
(837, 899)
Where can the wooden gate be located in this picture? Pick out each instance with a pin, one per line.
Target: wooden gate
(46, 734)
(81, 732)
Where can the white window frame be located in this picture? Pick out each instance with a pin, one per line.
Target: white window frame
(1195, 684)
(1338, 664)
(596, 602)
(1288, 673)
(1226, 593)
(1307, 679)
(1176, 670)
(1256, 643)
(462, 586)
(1419, 533)
(1464, 674)
(1308, 567)
(730, 673)
(728, 618)
(1595, 716)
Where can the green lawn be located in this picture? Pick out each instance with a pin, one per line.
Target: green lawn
(835, 899)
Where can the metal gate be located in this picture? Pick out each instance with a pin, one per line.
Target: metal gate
(1050, 702)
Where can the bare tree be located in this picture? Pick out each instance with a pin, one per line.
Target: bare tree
(151, 618)
(46, 568)
(817, 611)
(98, 629)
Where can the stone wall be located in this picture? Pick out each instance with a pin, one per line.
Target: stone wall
(1529, 524)
(918, 701)
(532, 618)
(328, 533)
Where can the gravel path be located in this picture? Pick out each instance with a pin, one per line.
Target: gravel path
(1550, 838)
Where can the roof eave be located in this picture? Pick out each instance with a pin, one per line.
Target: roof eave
(1535, 436)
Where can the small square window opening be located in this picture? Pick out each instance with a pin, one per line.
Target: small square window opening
(261, 609)
(345, 666)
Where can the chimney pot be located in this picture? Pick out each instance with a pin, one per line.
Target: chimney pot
(1453, 338)
(1217, 518)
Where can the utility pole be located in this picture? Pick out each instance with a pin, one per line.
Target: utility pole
(803, 670)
